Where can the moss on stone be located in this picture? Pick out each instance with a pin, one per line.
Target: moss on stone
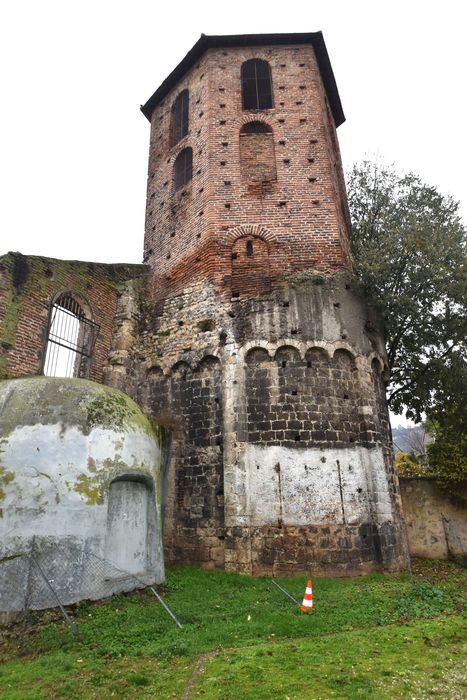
(5, 478)
(4, 374)
(91, 488)
(76, 403)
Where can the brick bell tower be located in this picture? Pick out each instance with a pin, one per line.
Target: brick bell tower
(252, 344)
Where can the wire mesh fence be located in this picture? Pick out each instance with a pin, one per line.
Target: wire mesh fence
(47, 578)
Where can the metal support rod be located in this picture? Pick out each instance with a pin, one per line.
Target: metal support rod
(164, 604)
(274, 583)
(74, 629)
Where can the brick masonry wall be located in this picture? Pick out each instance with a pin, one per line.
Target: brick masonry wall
(185, 229)
(28, 286)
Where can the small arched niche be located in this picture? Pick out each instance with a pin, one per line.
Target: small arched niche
(250, 267)
(131, 524)
(257, 157)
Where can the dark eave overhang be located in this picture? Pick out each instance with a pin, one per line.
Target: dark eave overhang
(237, 40)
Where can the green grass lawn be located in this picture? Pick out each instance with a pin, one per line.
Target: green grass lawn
(378, 636)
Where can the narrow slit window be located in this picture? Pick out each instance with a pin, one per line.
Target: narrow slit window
(249, 249)
(183, 168)
(256, 84)
(180, 117)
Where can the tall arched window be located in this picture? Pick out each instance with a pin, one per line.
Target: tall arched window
(256, 84)
(183, 168)
(70, 338)
(180, 117)
(257, 158)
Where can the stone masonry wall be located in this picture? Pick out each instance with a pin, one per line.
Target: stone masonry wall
(436, 523)
(279, 458)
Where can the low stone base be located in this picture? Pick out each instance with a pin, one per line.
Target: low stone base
(321, 550)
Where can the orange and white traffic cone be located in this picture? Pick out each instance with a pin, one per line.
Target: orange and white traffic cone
(307, 599)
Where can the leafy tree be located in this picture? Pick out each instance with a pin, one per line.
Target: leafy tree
(409, 252)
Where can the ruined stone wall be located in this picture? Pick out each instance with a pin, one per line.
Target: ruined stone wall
(28, 287)
(280, 460)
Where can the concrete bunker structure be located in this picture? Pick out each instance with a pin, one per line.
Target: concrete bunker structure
(79, 493)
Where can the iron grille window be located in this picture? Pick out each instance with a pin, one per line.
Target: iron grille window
(256, 84)
(183, 168)
(70, 339)
(180, 117)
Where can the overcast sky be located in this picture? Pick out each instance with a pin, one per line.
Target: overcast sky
(74, 143)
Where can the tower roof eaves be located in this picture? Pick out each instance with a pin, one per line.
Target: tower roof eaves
(237, 40)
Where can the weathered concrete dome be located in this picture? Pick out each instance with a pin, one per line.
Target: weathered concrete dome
(79, 493)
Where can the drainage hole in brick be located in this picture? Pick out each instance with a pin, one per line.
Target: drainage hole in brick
(297, 438)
